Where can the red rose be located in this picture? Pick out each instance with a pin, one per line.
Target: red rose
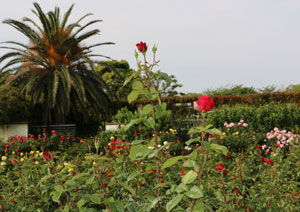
(225, 172)
(268, 161)
(17, 150)
(73, 173)
(271, 164)
(5, 151)
(77, 189)
(142, 47)
(152, 171)
(53, 132)
(228, 155)
(6, 145)
(104, 185)
(47, 156)
(205, 103)
(141, 184)
(262, 159)
(258, 147)
(220, 167)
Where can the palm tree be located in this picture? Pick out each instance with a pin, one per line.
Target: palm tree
(54, 68)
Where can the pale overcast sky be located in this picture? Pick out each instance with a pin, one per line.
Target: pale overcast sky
(204, 43)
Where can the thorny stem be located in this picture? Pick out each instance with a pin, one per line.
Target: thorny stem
(241, 181)
(148, 85)
(224, 193)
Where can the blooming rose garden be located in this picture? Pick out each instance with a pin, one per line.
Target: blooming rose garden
(137, 168)
(225, 160)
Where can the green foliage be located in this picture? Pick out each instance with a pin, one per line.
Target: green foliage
(265, 117)
(237, 90)
(14, 107)
(55, 68)
(293, 88)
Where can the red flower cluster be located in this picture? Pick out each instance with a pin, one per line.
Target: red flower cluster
(205, 103)
(221, 167)
(116, 145)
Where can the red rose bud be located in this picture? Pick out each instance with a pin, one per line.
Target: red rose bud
(141, 46)
(6, 146)
(205, 103)
(235, 191)
(141, 184)
(53, 132)
(271, 164)
(258, 147)
(5, 151)
(13, 201)
(161, 181)
(104, 185)
(73, 173)
(268, 161)
(13, 161)
(228, 155)
(77, 189)
(47, 156)
(262, 159)
(17, 150)
(210, 136)
(152, 171)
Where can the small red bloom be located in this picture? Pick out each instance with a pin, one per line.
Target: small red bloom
(182, 173)
(77, 189)
(13, 161)
(269, 205)
(13, 201)
(39, 135)
(235, 191)
(276, 146)
(262, 159)
(228, 155)
(152, 171)
(104, 185)
(5, 151)
(161, 181)
(68, 138)
(11, 143)
(17, 150)
(272, 164)
(258, 147)
(81, 142)
(220, 167)
(163, 154)
(142, 47)
(53, 132)
(210, 136)
(268, 161)
(141, 184)
(73, 173)
(31, 136)
(47, 156)
(6, 145)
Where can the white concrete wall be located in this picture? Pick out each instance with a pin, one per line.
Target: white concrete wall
(10, 130)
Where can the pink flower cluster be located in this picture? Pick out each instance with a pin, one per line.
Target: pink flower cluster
(241, 123)
(282, 137)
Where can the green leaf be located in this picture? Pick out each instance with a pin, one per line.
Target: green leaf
(189, 163)
(58, 188)
(95, 198)
(189, 142)
(56, 195)
(199, 207)
(206, 145)
(45, 178)
(130, 124)
(137, 85)
(219, 148)
(189, 177)
(151, 121)
(171, 161)
(80, 203)
(181, 187)
(147, 109)
(128, 80)
(138, 151)
(66, 208)
(116, 206)
(133, 96)
(194, 193)
(193, 155)
(170, 205)
(214, 131)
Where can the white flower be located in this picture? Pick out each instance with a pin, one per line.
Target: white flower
(165, 143)
(158, 145)
(150, 147)
(186, 147)
(189, 148)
